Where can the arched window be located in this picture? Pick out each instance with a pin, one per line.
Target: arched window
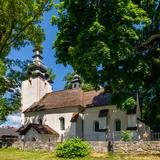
(75, 85)
(29, 83)
(33, 139)
(96, 126)
(117, 124)
(40, 121)
(62, 123)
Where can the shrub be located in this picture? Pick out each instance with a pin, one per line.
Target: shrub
(126, 136)
(129, 104)
(73, 148)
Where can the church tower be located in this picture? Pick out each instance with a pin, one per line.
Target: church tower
(37, 85)
(76, 82)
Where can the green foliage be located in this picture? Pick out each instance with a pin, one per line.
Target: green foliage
(20, 23)
(68, 79)
(73, 148)
(87, 86)
(10, 83)
(150, 99)
(129, 103)
(127, 136)
(100, 39)
(98, 43)
(19, 26)
(16, 154)
(51, 74)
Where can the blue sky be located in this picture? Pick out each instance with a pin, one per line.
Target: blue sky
(48, 52)
(49, 61)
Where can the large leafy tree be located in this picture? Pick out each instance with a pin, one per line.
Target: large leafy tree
(100, 39)
(150, 53)
(19, 26)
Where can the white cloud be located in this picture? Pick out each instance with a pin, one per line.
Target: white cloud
(13, 120)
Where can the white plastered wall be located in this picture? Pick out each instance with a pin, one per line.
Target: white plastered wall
(91, 115)
(52, 119)
(132, 120)
(33, 134)
(32, 91)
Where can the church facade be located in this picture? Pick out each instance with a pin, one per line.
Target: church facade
(54, 116)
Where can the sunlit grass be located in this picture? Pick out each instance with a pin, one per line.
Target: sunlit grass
(13, 154)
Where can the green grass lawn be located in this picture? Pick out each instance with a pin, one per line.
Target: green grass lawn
(13, 154)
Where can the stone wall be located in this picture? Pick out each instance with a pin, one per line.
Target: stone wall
(29, 145)
(136, 147)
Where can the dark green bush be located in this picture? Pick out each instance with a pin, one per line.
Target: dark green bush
(73, 148)
(127, 136)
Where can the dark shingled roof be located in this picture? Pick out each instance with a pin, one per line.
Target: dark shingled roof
(41, 129)
(8, 131)
(70, 98)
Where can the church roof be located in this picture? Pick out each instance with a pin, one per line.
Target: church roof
(41, 129)
(70, 98)
(8, 131)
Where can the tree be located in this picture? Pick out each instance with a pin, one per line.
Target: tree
(100, 39)
(84, 85)
(19, 26)
(150, 53)
(10, 87)
(95, 42)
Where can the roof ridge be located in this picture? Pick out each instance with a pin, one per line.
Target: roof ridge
(44, 97)
(67, 90)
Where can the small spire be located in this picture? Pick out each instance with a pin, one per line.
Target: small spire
(37, 58)
(37, 68)
(76, 82)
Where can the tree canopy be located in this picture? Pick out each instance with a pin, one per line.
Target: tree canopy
(19, 26)
(100, 40)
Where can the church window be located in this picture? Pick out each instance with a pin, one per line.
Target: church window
(75, 85)
(33, 139)
(30, 83)
(40, 121)
(96, 126)
(62, 123)
(117, 124)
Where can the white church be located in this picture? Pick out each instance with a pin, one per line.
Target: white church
(54, 116)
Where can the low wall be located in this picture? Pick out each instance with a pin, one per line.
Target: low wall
(145, 147)
(136, 147)
(29, 145)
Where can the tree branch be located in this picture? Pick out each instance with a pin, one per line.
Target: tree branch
(151, 40)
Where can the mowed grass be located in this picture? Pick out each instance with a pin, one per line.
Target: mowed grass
(13, 154)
